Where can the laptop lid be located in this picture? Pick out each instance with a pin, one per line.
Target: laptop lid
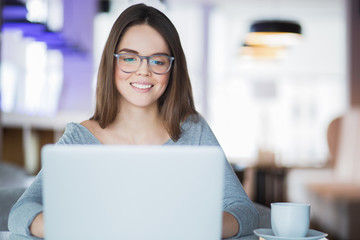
(132, 192)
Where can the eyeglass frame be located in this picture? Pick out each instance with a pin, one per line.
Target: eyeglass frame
(117, 55)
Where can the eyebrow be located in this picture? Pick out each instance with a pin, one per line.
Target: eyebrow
(136, 52)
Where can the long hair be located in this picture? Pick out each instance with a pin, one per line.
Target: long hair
(176, 103)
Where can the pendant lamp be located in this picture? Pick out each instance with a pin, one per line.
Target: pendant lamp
(274, 33)
(260, 52)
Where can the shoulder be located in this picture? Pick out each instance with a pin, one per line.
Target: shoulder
(195, 123)
(196, 131)
(90, 124)
(77, 133)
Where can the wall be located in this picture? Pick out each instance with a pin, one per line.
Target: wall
(282, 105)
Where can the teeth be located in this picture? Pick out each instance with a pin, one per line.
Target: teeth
(141, 86)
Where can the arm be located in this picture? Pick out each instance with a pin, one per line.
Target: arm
(27, 208)
(236, 203)
(26, 216)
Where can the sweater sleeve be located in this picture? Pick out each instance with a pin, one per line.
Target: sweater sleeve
(26, 208)
(235, 199)
(30, 204)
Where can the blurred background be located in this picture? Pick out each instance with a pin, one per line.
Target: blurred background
(268, 75)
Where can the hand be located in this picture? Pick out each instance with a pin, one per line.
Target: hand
(37, 226)
(230, 226)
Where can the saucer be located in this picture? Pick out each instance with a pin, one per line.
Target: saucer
(269, 235)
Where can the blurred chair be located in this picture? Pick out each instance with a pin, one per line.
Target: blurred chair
(298, 178)
(336, 203)
(347, 149)
(333, 136)
(334, 192)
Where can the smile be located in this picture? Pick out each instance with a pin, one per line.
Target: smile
(141, 86)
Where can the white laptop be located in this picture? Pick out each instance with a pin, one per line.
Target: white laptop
(94, 192)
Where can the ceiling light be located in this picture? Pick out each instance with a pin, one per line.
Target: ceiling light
(262, 52)
(276, 33)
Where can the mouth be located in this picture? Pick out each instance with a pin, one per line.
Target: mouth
(141, 86)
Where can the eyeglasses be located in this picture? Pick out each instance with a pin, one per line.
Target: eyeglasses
(131, 62)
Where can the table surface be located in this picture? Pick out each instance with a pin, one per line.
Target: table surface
(10, 236)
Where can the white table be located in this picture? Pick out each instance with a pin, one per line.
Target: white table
(9, 236)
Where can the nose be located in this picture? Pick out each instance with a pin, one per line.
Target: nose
(144, 68)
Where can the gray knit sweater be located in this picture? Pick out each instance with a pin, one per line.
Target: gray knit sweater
(235, 200)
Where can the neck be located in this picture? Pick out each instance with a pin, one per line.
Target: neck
(139, 125)
(138, 118)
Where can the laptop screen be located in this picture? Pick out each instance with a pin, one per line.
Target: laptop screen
(132, 192)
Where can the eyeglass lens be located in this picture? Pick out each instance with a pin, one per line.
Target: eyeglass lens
(159, 64)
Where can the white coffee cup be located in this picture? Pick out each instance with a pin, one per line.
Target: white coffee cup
(290, 219)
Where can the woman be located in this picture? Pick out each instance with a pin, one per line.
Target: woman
(143, 96)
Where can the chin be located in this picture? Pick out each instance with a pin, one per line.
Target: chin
(145, 105)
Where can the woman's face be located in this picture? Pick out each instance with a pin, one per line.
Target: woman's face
(141, 88)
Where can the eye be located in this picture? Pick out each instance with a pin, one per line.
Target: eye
(159, 60)
(156, 62)
(129, 58)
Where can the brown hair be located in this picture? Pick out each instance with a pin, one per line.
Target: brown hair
(177, 101)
